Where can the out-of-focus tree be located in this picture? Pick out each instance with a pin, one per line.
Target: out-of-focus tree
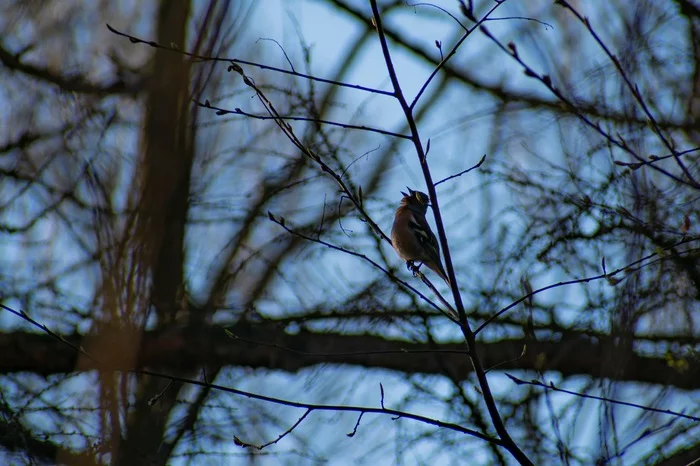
(192, 232)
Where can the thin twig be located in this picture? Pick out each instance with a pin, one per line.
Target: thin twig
(281, 222)
(451, 313)
(137, 40)
(269, 399)
(357, 424)
(546, 80)
(284, 52)
(237, 111)
(629, 268)
(243, 444)
(463, 172)
(634, 90)
(553, 387)
(288, 131)
(453, 51)
(654, 159)
(508, 443)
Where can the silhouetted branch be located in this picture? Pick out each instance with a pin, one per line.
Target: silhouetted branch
(237, 111)
(551, 386)
(545, 79)
(281, 222)
(295, 404)
(634, 90)
(243, 444)
(469, 336)
(137, 40)
(610, 277)
(463, 172)
(453, 51)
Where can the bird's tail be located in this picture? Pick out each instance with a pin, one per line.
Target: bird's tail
(439, 269)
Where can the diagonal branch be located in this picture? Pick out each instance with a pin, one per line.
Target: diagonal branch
(469, 336)
(281, 222)
(634, 90)
(137, 40)
(546, 80)
(553, 387)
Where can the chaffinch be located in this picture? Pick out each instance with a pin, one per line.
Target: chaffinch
(411, 235)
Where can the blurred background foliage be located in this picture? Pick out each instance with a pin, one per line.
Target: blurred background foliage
(134, 224)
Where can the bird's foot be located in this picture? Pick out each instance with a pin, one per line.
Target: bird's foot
(413, 268)
(410, 265)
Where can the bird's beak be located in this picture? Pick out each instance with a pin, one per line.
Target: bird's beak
(410, 191)
(404, 194)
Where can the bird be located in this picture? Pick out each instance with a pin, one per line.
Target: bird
(411, 236)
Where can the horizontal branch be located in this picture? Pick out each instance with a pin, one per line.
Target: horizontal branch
(237, 111)
(76, 83)
(184, 350)
(137, 368)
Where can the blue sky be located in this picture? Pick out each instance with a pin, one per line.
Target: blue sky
(459, 128)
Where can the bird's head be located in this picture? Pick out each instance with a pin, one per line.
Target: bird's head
(415, 199)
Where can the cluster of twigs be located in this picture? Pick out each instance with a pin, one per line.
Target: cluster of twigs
(456, 313)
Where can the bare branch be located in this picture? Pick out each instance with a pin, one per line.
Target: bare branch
(237, 111)
(463, 172)
(551, 386)
(156, 45)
